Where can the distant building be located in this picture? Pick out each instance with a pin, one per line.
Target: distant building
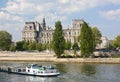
(36, 32)
(104, 44)
(39, 32)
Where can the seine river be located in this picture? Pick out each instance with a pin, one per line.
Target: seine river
(70, 72)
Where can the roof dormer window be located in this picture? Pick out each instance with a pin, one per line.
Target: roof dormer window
(30, 27)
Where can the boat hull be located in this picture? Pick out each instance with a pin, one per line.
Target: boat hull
(41, 75)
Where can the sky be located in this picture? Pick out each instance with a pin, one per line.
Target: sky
(103, 14)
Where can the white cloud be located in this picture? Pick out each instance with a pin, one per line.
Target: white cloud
(114, 1)
(22, 7)
(64, 6)
(52, 10)
(111, 14)
(80, 5)
(64, 1)
(8, 17)
(36, 7)
(73, 6)
(51, 18)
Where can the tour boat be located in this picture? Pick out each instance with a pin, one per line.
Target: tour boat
(34, 70)
(39, 70)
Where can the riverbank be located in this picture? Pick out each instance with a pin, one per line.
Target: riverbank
(49, 57)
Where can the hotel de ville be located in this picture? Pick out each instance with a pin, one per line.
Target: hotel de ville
(39, 32)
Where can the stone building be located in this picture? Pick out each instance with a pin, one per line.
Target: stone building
(105, 42)
(39, 32)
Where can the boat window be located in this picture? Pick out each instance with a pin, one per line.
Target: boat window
(19, 70)
(44, 68)
(24, 70)
(40, 66)
(29, 66)
(52, 68)
(28, 70)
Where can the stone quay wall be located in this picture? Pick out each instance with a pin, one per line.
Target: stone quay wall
(49, 57)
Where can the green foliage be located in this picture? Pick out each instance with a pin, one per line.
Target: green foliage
(68, 45)
(19, 45)
(58, 40)
(47, 45)
(31, 46)
(39, 47)
(50, 45)
(25, 45)
(113, 44)
(96, 36)
(22, 45)
(75, 47)
(116, 42)
(12, 48)
(44, 46)
(5, 40)
(86, 40)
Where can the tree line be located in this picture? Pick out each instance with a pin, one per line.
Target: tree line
(7, 44)
(29, 46)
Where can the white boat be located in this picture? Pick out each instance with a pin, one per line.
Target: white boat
(34, 69)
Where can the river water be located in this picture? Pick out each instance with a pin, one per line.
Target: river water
(70, 72)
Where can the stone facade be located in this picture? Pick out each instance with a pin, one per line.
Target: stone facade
(36, 32)
(105, 42)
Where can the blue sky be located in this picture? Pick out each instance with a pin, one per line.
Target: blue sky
(104, 14)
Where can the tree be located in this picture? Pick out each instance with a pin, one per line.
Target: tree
(96, 36)
(5, 40)
(39, 47)
(45, 46)
(31, 46)
(75, 47)
(116, 42)
(86, 40)
(19, 45)
(25, 45)
(12, 47)
(58, 39)
(50, 45)
(113, 44)
(68, 45)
